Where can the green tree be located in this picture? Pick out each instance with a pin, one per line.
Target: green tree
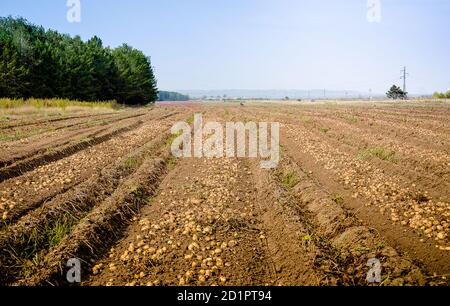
(441, 95)
(137, 83)
(14, 50)
(13, 73)
(396, 92)
(172, 96)
(46, 64)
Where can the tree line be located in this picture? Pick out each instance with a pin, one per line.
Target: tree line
(442, 95)
(172, 96)
(39, 63)
(396, 92)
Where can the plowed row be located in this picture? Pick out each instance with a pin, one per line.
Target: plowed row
(355, 183)
(48, 200)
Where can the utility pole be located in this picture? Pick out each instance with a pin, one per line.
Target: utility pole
(404, 74)
(325, 94)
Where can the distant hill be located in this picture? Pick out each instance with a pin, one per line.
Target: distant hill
(172, 96)
(274, 94)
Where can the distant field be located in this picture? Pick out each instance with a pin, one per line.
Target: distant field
(356, 181)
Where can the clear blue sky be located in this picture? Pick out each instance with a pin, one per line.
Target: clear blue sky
(268, 44)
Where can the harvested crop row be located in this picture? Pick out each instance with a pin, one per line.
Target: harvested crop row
(317, 219)
(27, 137)
(406, 131)
(32, 163)
(22, 135)
(49, 180)
(368, 117)
(22, 243)
(208, 227)
(418, 133)
(417, 111)
(336, 246)
(54, 141)
(199, 230)
(309, 149)
(340, 237)
(102, 226)
(427, 167)
(297, 259)
(409, 204)
(55, 120)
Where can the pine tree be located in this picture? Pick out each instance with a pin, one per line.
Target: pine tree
(396, 92)
(46, 64)
(137, 83)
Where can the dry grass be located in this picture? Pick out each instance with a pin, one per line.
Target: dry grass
(33, 109)
(51, 103)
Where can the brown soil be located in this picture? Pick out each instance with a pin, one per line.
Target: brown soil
(355, 182)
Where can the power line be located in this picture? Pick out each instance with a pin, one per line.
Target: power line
(404, 78)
